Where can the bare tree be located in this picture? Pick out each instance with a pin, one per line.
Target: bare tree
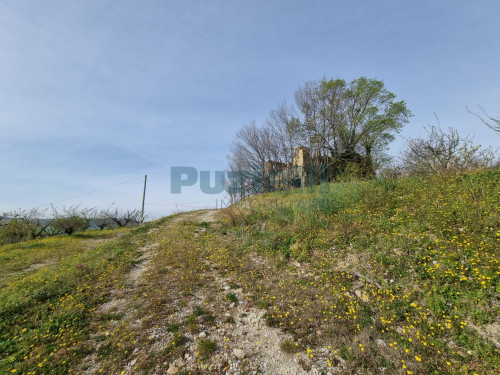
(72, 219)
(102, 221)
(122, 218)
(444, 152)
(283, 125)
(251, 149)
(36, 221)
(490, 121)
(240, 183)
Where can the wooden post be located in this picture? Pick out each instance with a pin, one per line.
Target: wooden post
(143, 198)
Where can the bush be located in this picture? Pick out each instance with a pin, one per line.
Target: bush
(232, 297)
(444, 152)
(102, 222)
(288, 346)
(23, 225)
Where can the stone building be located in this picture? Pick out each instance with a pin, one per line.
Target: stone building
(303, 170)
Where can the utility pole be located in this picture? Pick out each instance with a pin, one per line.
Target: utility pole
(143, 198)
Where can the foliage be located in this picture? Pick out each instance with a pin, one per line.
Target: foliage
(349, 119)
(381, 276)
(346, 125)
(23, 225)
(46, 308)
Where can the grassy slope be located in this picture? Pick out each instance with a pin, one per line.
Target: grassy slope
(431, 246)
(49, 289)
(365, 277)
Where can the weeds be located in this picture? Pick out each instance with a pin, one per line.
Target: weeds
(206, 347)
(232, 297)
(288, 346)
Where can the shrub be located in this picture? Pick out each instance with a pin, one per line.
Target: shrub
(23, 225)
(444, 152)
(232, 297)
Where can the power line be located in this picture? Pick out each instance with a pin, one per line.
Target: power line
(177, 204)
(90, 192)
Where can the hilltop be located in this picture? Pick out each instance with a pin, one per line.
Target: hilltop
(381, 276)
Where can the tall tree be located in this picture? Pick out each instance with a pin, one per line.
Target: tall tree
(349, 119)
(251, 149)
(343, 122)
(283, 127)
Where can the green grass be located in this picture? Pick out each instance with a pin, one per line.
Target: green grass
(421, 252)
(380, 276)
(31, 255)
(232, 297)
(206, 347)
(49, 289)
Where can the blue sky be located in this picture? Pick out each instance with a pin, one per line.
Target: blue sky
(93, 93)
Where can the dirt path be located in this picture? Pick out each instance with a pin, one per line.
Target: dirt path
(255, 345)
(250, 345)
(120, 304)
(174, 321)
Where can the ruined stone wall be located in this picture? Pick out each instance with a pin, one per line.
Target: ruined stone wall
(303, 170)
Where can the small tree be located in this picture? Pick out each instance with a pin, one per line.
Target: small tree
(444, 152)
(23, 225)
(72, 220)
(122, 218)
(102, 221)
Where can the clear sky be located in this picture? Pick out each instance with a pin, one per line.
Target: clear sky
(93, 93)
